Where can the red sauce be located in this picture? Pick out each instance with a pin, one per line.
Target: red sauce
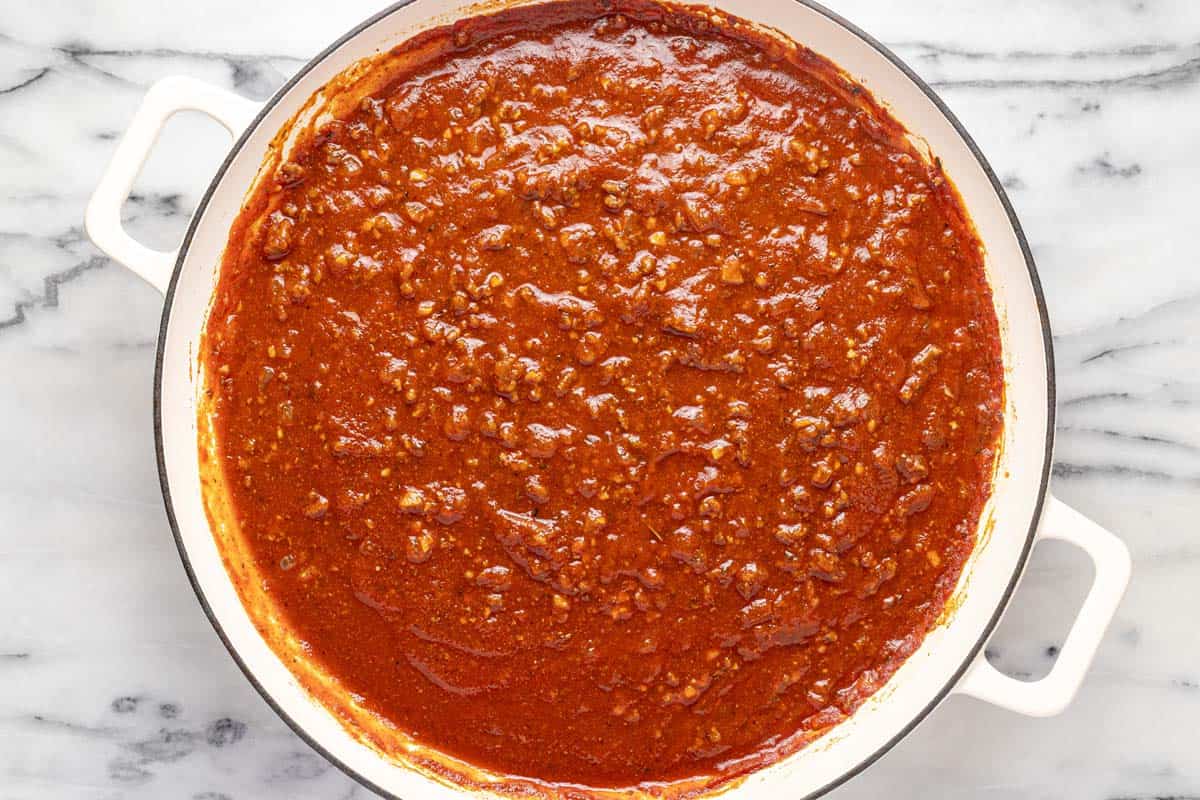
(610, 398)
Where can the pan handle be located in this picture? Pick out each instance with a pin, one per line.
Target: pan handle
(1051, 694)
(103, 217)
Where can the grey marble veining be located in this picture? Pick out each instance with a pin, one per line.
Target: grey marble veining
(112, 683)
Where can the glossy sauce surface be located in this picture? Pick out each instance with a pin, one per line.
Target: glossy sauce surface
(610, 399)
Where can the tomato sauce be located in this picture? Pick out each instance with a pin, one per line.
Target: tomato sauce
(611, 397)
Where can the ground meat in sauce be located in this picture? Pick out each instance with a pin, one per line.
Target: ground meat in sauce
(609, 401)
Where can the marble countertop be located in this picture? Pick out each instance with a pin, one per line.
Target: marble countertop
(112, 683)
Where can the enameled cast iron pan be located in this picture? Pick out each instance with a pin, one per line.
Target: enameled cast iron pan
(1021, 510)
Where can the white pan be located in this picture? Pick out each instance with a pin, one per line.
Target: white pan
(951, 658)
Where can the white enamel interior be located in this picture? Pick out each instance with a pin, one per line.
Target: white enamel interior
(922, 680)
